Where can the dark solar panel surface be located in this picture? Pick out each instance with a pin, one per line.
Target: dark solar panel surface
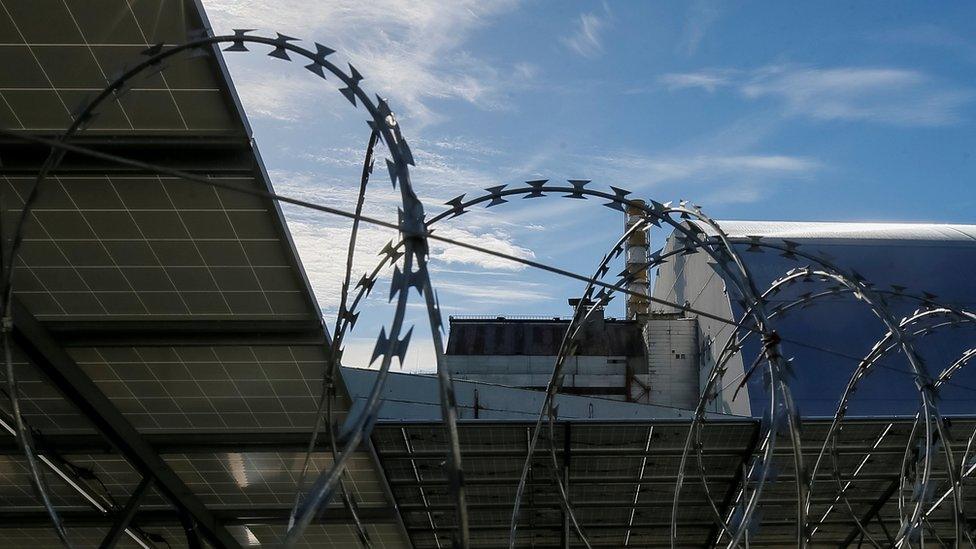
(186, 305)
(622, 478)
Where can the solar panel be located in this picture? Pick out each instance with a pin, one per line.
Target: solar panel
(607, 465)
(184, 307)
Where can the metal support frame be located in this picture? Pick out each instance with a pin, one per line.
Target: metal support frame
(176, 443)
(297, 441)
(179, 333)
(872, 512)
(190, 529)
(388, 492)
(144, 517)
(734, 487)
(567, 456)
(124, 517)
(225, 156)
(65, 374)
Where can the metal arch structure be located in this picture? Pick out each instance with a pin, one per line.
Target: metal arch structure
(409, 256)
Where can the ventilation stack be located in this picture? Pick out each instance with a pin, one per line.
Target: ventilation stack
(635, 252)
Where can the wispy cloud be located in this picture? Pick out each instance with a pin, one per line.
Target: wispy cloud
(711, 178)
(587, 39)
(708, 80)
(445, 167)
(883, 95)
(652, 170)
(278, 99)
(701, 15)
(928, 36)
(510, 291)
(410, 50)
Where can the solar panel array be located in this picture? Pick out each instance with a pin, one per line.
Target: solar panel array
(621, 479)
(186, 305)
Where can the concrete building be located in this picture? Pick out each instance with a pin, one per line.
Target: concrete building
(648, 357)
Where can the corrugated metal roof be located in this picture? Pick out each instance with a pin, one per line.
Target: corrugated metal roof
(507, 337)
(799, 230)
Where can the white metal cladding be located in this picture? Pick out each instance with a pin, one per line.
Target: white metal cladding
(688, 278)
(672, 357)
(827, 339)
(858, 231)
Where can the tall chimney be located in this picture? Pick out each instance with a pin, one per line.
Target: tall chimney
(635, 252)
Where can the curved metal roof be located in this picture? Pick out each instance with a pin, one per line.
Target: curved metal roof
(820, 230)
(827, 338)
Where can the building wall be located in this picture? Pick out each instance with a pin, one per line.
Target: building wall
(689, 278)
(596, 375)
(672, 358)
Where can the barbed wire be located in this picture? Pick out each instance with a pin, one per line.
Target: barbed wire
(692, 232)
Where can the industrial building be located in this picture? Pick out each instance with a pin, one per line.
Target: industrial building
(836, 332)
(170, 351)
(662, 356)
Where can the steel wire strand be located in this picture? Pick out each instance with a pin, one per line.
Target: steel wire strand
(335, 211)
(281, 45)
(956, 317)
(929, 411)
(731, 348)
(25, 440)
(327, 397)
(806, 300)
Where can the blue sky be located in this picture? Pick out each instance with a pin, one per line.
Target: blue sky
(754, 110)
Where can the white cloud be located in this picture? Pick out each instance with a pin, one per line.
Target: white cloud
(701, 15)
(708, 80)
(322, 240)
(279, 99)
(464, 145)
(409, 50)
(511, 291)
(883, 95)
(498, 241)
(929, 36)
(586, 39)
(525, 70)
(710, 179)
(660, 169)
